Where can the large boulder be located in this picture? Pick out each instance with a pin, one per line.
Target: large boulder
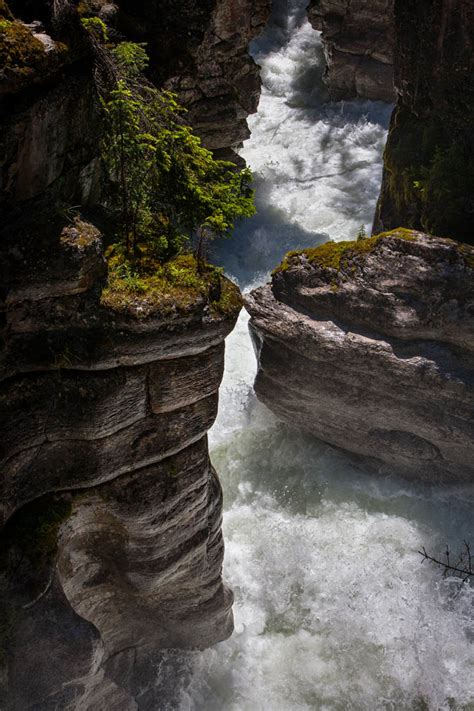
(369, 345)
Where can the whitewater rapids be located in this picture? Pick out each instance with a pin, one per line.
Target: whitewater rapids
(333, 609)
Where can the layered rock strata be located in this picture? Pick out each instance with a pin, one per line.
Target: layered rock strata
(370, 346)
(358, 38)
(428, 180)
(111, 511)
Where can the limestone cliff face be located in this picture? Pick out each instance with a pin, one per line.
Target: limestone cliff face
(110, 507)
(370, 347)
(222, 86)
(110, 510)
(428, 180)
(358, 37)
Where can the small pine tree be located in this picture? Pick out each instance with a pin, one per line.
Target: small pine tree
(361, 233)
(169, 188)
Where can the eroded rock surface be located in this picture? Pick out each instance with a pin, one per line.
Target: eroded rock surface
(200, 50)
(358, 38)
(222, 86)
(370, 347)
(111, 511)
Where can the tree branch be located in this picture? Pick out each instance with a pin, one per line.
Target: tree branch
(462, 569)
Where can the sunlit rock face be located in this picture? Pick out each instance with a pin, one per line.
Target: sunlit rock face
(111, 511)
(428, 180)
(375, 353)
(358, 43)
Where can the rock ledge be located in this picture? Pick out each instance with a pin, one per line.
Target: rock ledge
(369, 346)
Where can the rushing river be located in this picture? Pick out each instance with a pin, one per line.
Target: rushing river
(333, 609)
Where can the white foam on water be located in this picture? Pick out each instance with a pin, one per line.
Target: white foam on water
(317, 165)
(333, 609)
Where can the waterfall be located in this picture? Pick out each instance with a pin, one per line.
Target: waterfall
(332, 607)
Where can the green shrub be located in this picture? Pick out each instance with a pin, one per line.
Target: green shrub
(167, 188)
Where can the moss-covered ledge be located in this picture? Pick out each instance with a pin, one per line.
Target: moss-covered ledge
(26, 57)
(403, 283)
(178, 286)
(335, 255)
(86, 313)
(342, 257)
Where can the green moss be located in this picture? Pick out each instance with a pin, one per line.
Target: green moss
(334, 255)
(148, 286)
(230, 301)
(20, 51)
(96, 27)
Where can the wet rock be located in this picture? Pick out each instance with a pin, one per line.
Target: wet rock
(358, 43)
(370, 347)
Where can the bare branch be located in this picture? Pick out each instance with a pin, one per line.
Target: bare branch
(462, 569)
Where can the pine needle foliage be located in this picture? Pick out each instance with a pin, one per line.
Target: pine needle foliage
(168, 190)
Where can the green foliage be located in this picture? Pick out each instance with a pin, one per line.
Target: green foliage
(96, 27)
(130, 154)
(131, 58)
(361, 233)
(168, 187)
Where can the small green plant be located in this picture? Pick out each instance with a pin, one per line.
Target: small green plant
(96, 27)
(361, 233)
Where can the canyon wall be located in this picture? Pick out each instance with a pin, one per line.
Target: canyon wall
(111, 543)
(369, 346)
(428, 180)
(358, 39)
(110, 510)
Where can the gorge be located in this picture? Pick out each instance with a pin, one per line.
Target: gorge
(332, 608)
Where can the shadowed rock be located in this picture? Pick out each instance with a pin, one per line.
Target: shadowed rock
(358, 44)
(428, 180)
(111, 544)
